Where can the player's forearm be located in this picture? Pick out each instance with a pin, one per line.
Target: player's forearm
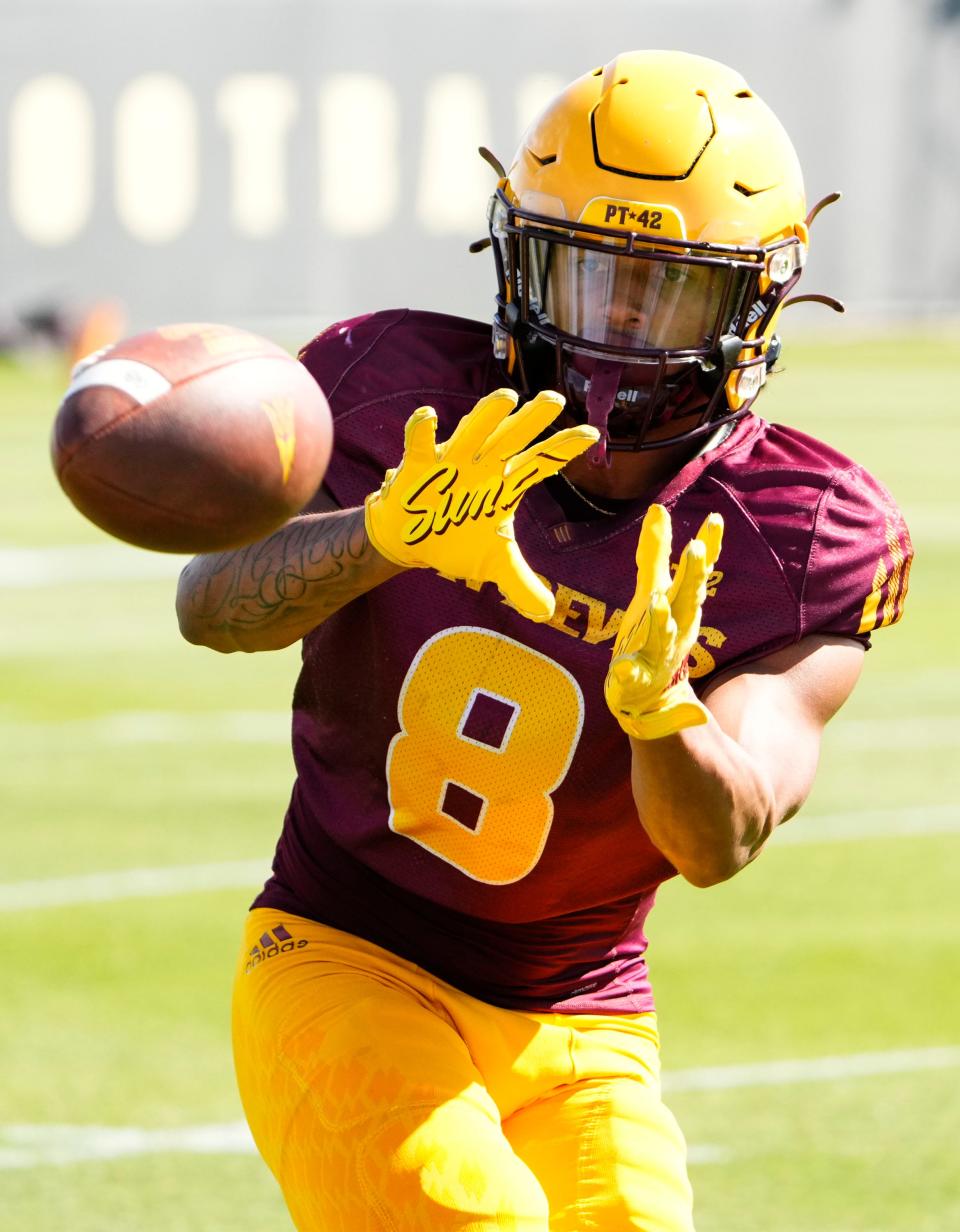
(272, 593)
(704, 801)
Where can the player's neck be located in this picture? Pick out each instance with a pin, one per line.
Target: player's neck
(629, 475)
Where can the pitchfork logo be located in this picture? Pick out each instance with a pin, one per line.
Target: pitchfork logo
(280, 412)
(276, 941)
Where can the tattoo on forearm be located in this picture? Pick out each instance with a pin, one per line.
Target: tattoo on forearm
(312, 562)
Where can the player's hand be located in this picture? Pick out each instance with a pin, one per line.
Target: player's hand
(647, 688)
(450, 507)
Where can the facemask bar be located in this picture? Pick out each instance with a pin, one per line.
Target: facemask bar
(682, 383)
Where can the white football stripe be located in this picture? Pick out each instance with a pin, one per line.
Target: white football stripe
(130, 376)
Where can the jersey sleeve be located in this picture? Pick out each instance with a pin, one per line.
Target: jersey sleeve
(363, 446)
(859, 563)
(377, 369)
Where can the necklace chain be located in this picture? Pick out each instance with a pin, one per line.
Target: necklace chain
(607, 513)
(711, 443)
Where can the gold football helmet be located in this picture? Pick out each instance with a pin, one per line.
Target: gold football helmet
(646, 236)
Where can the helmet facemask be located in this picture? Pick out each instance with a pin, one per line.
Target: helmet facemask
(641, 333)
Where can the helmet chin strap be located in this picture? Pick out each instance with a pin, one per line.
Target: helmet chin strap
(604, 385)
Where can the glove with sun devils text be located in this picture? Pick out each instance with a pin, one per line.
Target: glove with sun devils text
(646, 687)
(450, 507)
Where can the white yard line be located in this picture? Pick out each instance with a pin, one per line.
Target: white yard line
(31, 1146)
(884, 734)
(28, 1146)
(127, 883)
(68, 564)
(106, 887)
(811, 1069)
(256, 726)
(30, 568)
(854, 826)
(158, 727)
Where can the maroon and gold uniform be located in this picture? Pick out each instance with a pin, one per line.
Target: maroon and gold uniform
(443, 1016)
(463, 794)
(443, 1011)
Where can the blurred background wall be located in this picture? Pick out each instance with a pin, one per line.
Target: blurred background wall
(295, 161)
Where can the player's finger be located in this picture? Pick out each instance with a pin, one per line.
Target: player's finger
(711, 533)
(689, 589)
(540, 461)
(662, 632)
(634, 626)
(623, 671)
(420, 436)
(653, 553)
(519, 585)
(523, 426)
(389, 475)
(555, 452)
(472, 431)
(694, 556)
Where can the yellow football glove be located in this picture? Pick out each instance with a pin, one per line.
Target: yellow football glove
(647, 688)
(450, 507)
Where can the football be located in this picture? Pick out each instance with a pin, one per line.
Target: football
(191, 438)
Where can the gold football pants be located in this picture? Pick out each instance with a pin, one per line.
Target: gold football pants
(384, 1100)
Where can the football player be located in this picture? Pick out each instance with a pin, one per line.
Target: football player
(512, 723)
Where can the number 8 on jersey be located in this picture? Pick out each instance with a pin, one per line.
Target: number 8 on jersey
(488, 728)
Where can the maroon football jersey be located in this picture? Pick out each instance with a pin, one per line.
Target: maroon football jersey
(463, 794)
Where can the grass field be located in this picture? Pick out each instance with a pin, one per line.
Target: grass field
(122, 749)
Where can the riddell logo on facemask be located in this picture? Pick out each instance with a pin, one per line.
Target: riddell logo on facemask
(277, 941)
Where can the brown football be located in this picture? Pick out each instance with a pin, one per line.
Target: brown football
(191, 438)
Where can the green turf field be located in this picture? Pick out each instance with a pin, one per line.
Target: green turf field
(122, 748)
